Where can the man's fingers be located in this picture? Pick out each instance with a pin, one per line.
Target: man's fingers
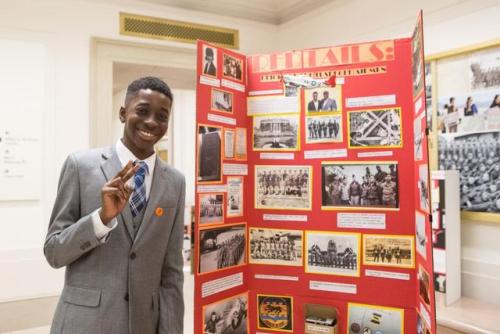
(125, 169)
(131, 173)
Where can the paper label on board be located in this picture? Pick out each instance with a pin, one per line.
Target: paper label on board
(214, 82)
(221, 284)
(425, 314)
(233, 85)
(439, 260)
(375, 154)
(387, 274)
(285, 218)
(371, 101)
(374, 221)
(235, 169)
(265, 92)
(438, 175)
(277, 156)
(333, 287)
(212, 188)
(222, 119)
(272, 105)
(277, 277)
(322, 154)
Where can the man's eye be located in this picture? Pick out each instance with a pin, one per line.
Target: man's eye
(163, 117)
(142, 111)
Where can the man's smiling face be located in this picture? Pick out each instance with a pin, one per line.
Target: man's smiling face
(146, 116)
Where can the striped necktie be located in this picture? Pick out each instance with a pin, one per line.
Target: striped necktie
(138, 200)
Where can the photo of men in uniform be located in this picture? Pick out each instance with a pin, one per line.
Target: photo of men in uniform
(388, 251)
(375, 128)
(323, 99)
(222, 101)
(360, 185)
(333, 253)
(210, 61)
(232, 67)
(276, 247)
(211, 209)
(323, 129)
(222, 247)
(229, 316)
(283, 187)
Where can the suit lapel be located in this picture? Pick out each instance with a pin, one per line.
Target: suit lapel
(159, 185)
(110, 167)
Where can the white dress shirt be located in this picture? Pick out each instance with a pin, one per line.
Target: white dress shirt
(124, 155)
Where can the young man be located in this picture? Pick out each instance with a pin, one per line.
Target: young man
(121, 244)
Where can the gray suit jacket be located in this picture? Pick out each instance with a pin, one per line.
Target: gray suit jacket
(124, 285)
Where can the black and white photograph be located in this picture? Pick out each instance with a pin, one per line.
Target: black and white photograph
(477, 158)
(485, 70)
(276, 133)
(234, 196)
(221, 101)
(233, 67)
(209, 154)
(275, 246)
(422, 327)
(423, 188)
(360, 185)
(417, 60)
(418, 139)
(323, 129)
(228, 316)
(420, 235)
(374, 319)
(388, 250)
(283, 187)
(333, 253)
(209, 61)
(222, 247)
(228, 143)
(323, 99)
(211, 210)
(375, 128)
(424, 283)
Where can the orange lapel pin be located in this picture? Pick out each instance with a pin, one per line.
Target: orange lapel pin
(159, 212)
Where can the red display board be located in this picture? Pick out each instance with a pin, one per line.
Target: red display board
(312, 180)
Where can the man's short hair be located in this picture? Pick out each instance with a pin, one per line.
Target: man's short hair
(152, 83)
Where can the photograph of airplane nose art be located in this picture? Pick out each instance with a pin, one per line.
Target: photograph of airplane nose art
(325, 239)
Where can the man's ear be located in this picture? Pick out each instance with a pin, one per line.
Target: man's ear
(122, 114)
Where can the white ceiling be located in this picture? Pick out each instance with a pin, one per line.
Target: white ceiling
(177, 78)
(268, 11)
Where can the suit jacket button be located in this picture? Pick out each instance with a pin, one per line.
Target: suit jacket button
(132, 256)
(126, 297)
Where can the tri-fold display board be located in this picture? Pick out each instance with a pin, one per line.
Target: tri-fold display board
(312, 180)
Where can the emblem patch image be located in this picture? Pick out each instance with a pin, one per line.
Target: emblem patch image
(275, 313)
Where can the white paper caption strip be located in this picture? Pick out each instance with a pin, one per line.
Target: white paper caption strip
(322, 154)
(212, 188)
(387, 274)
(204, 80)
(233, 85)
(371, 101)
(277, 156)
(265, 92)
(286, 218)
(272, 105)
(375, 221)
(333, 287)
(221, 284)
(375, 154)
(222, 119)
(235, 169)
(277, 277)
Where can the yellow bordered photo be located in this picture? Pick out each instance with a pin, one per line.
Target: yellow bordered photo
(365, 318)
(375, 128)
(321, 100)
(280, 247)
(283, 187)
(210, 208)
(276, 132)
(324, 128)
(360, 185)
(275, 313)
(221, 101)
(333, 253)
(221, 247)
(388, 250)
(209, 152)
(229, 315)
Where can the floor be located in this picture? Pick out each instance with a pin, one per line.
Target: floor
(48, 307)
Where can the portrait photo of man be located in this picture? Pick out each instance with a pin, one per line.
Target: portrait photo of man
(210, 61)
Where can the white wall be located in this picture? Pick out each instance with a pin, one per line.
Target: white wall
(64, 28)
